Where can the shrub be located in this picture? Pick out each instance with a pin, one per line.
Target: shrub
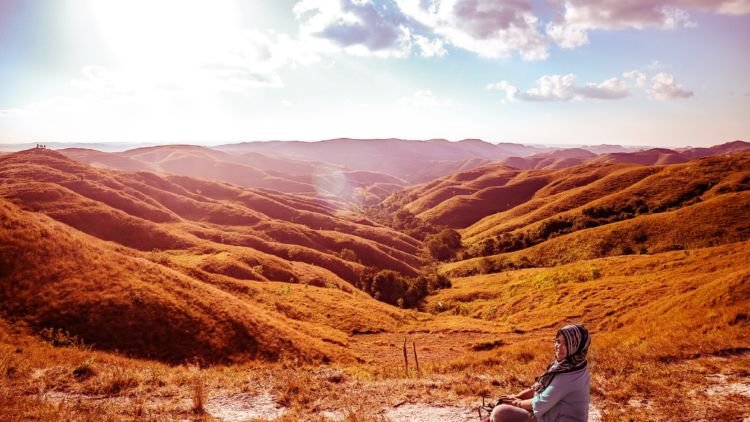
(348, 255)
(60, 338)
(555, 227)
(395, 289)
(443, 245)
(397, 218)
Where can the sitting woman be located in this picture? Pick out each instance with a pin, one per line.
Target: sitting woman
(561, 393)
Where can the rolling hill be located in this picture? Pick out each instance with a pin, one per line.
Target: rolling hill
(145, 211)
(464, 199)
(412, 161)
(118, 298)
(623, 192)
(151, 267)
(550, 160)
(315, 179)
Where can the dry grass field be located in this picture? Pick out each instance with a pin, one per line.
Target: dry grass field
(145, 296)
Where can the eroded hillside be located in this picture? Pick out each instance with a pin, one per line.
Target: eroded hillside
(652, 258)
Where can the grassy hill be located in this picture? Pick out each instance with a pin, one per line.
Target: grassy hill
(116, 298)
(329, 181)
(174, 305)
(150, 212)
(623, 193)
(495, 199)
(716, 221)
(412, 161)
(264, 290)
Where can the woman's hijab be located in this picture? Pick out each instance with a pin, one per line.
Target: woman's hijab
(577, 343)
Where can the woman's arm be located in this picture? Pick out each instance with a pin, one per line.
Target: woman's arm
(525, 394)
(523, 404)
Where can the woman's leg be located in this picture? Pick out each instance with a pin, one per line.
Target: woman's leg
(508, 413)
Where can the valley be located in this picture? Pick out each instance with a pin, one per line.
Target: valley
(287, 281)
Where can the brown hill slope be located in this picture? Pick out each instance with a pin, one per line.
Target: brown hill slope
(53, 276)
(482, 199)
(623, 295)
(412, 161)
(664, 313)
(717, 220)
(622, 193)
(550, 160)
(464, 198)
(725, 148)
(561, 196)
(147, 212)
(650, 157)
(245, 169)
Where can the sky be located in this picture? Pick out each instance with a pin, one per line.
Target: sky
(563, 72)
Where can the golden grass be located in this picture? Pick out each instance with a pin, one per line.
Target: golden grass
(658, 188)
(146, 212)
(670, 329)
(141, 307)
(718, 220)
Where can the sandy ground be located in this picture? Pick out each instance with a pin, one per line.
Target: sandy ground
(242, 407)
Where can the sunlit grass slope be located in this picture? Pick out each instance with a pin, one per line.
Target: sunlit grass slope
(250, 169)
(718, 220)
(622, 193)
(652, 317)
(495, 199)
(149, 212)
(115, 298)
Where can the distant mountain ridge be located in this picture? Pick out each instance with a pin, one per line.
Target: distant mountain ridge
(363, 172)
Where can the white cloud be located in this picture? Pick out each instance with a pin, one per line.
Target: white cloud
(551, 88)
(505, 86)
(568, 35)
(424, 99)
(357, 27)
(563, 88)
(485, 27)
(12, 112)
(488, 28)
(676, 18)
(54, 105)
(103, 81)
(611, 89)
(252, 59)
(578, 17)
(665, 87)
(430, 48)
(638, 78)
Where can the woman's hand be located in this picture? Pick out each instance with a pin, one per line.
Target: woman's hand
(507, 399)
(523, 404)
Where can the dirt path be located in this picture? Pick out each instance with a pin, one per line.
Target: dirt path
(431, 413)
(722, 387)
(245, 406)
(242, 407)
(426, 412)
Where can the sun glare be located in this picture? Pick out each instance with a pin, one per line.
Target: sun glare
(164, 35)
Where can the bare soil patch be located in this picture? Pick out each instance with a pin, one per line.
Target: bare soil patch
(432, 413)
(243, 407)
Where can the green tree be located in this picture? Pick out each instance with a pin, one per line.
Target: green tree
(444, 245)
